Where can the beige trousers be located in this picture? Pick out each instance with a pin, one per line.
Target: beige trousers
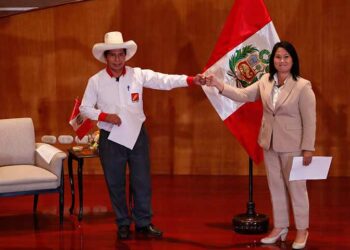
(278, 166)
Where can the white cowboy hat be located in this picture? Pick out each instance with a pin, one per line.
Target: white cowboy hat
(114, 40)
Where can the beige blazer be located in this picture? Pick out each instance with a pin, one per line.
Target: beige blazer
(291, 125)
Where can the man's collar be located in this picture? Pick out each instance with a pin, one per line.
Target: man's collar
(110, 73)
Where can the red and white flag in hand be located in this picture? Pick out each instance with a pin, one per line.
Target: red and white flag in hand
(241, 57)
(80, 124)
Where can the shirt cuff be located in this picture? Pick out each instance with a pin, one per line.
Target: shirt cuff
(190, 81)
(102, 116)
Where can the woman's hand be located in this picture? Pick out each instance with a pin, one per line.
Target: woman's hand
(212, 81)
(307, 157)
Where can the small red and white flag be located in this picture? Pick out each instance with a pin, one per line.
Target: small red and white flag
(241, 57)
(80, 124)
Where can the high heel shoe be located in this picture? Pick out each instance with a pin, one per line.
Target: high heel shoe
(302, 244)
(271, 240)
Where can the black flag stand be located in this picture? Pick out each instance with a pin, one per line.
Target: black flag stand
(250, 222)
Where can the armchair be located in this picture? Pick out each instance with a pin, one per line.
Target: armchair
(23, 171)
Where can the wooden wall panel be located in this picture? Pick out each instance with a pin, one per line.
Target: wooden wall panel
(46, 61)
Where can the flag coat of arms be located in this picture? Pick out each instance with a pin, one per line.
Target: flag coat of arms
(240, 58)
(81, 125)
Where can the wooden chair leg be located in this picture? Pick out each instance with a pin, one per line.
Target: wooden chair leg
(61, 198)
(61, 206)
(35, 205)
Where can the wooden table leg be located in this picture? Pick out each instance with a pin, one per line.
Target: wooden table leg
(80, 183)
(71, 180)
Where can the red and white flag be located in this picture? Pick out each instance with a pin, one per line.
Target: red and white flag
(241, 57)
(80, 124)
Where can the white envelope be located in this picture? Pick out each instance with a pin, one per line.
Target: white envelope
(126, 134)
(318, 168)
(47, 152)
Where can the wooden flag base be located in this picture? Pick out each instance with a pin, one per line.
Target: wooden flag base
(250, 222)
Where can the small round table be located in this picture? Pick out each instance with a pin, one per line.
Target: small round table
(79, 156)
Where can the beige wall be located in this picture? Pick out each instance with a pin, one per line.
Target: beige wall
(46, 61)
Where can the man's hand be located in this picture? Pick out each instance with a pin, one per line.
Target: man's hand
(114, 119)
(199, 79)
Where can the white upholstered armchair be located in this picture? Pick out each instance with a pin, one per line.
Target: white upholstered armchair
(23, 171)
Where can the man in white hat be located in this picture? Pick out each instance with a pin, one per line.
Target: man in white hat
(113, 97)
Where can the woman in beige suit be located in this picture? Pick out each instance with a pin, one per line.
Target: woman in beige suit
(288, 129)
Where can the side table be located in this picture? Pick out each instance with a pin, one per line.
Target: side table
(79, 156)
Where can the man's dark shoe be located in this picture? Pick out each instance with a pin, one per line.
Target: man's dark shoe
(149, 231)
(124, 232)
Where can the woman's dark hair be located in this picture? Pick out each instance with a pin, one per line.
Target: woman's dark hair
(293, 53)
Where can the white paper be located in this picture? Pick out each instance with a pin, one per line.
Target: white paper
(126, 134)
(47, 152)
(318, 168)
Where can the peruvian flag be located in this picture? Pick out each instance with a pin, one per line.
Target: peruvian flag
(241, 57)
(80, 124)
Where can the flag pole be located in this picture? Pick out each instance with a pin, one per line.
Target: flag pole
(250, 222)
